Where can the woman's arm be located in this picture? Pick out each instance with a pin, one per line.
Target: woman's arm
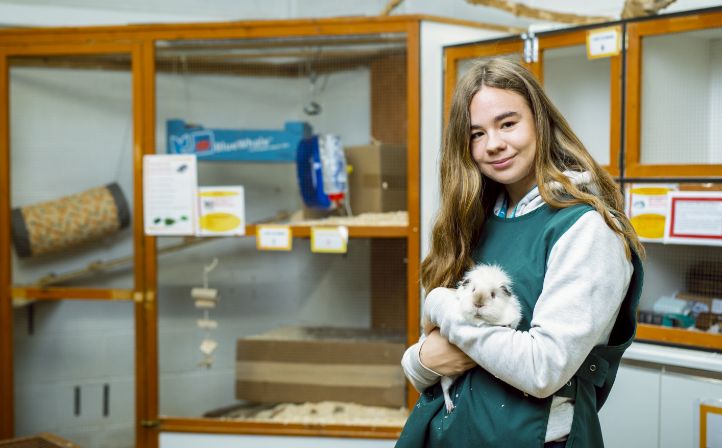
(587, 278)
(430, 358)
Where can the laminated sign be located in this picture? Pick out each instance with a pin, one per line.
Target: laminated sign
(245, 145)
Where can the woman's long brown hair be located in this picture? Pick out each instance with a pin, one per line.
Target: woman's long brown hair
(467, 197)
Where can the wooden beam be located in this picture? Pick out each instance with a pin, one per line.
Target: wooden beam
(7, 404)
(390, 6)
(642, 8)
(522, 10)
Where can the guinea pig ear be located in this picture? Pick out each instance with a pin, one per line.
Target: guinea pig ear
(464, 282)
(506, 290)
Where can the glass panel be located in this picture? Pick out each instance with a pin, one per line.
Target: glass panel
(74, 367)
(680, 126)
(580, 89)
(227, 96)
(71, 163)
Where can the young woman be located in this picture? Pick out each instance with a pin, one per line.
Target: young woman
(519, 190)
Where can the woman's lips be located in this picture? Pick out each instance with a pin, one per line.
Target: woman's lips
(501, 164)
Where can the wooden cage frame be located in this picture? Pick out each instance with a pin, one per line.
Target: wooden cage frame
(136, 43)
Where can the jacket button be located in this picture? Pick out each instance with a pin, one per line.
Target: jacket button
(569, 384)
(593, 367)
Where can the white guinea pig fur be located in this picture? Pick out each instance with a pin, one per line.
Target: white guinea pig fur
(485, 297)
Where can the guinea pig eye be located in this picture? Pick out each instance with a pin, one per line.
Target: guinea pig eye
(493, 295)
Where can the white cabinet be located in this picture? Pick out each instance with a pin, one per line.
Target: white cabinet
(655, 399)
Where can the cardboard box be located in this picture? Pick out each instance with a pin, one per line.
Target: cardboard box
(296, 365)
(377, 182)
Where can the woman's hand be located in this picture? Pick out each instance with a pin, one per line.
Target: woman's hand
(443, 357)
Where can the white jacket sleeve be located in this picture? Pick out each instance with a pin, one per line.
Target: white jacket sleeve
(418, 374)
(587, 278)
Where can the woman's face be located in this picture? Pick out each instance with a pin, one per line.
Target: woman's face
(503, 139)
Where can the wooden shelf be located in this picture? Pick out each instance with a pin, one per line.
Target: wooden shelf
(60, 293)
(679, 336)
(205, 425)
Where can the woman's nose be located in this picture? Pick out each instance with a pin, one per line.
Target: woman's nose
(494, 142)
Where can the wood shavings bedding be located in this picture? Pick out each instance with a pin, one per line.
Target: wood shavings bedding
(325, 413)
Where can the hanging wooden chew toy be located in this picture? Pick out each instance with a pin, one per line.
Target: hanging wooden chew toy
(63, 223)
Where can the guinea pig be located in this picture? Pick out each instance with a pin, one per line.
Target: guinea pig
(485, 297)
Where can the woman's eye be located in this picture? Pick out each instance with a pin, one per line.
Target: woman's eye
(508, 124)
(476, 135)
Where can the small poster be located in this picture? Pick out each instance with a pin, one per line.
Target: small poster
(221, 211)
(694, 217)
(169, 194)
(647, 209)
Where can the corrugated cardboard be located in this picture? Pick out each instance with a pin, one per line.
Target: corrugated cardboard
(377, 182)
(357, 369)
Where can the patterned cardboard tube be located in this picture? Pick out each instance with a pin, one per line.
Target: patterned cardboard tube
(61, 224)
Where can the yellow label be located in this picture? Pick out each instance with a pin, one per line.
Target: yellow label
(648, 225)
(216, 194)
(274, 237)
(329, 239)
(604, 42)
(650, 191)
(219, 222)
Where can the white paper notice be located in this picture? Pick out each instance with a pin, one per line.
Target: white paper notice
(169, 194)
(694, 218)
(698, 218)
